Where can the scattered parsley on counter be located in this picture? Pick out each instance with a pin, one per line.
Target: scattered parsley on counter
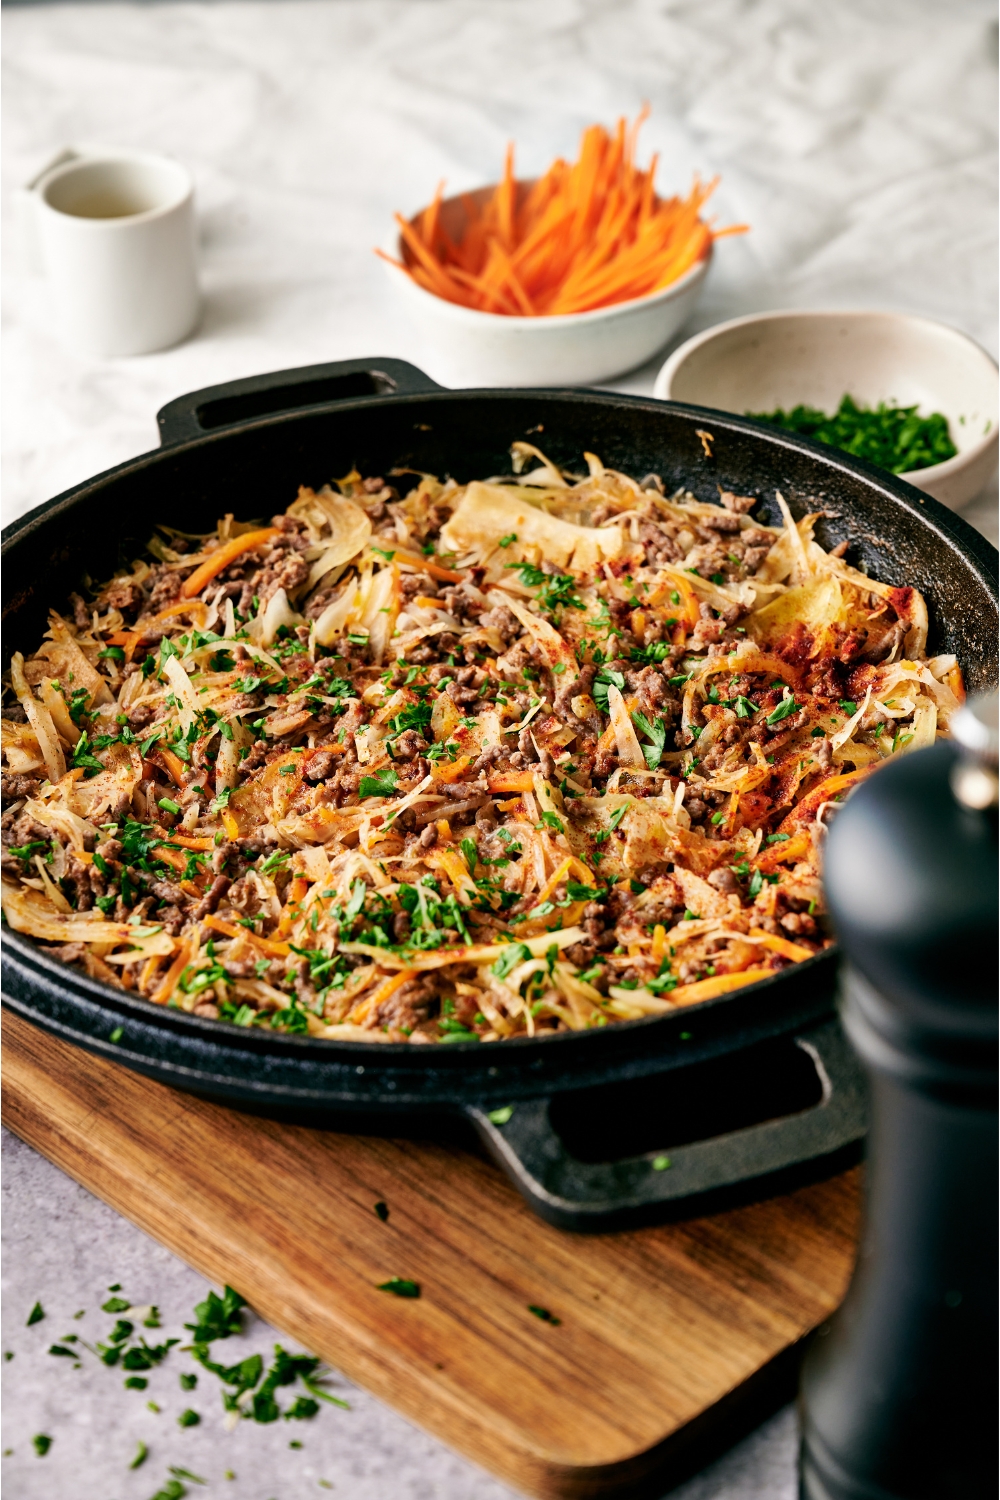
(42, 1443)
(544, 1314)
(218, 1317)
(188, 1418)
(172, 1490)
(179, 1473)
(36, 1315)
(140, 1456)
(399, 1287)
(382, 1211)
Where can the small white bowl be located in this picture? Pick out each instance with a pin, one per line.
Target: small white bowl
(786, 359)
(465, 347)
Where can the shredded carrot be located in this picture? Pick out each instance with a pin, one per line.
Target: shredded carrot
(224, 555)
(719, 984)
(585, 235)
(149, 968)
(828, 789)
(385, 989)
(426, 566)
(451, 770)
(280, 950)
(172, 857)
(171, 763)
(796, 847)
(512, 781)
(797, 952)
(192, 607)
(185, 840)
(174, 973)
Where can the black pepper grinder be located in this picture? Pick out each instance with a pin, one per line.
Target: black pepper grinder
(898, 1396)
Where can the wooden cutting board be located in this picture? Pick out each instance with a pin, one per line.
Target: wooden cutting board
(670, 1338)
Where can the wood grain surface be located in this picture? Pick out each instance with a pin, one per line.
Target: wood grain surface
(666, 1333)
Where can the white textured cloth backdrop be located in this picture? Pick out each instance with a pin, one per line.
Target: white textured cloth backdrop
(857, 139)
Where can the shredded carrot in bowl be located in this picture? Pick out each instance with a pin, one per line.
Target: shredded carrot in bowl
(585, 235)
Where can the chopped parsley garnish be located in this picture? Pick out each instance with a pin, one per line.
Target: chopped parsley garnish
(188, 1418)
(606, 677)
(655, 731)
(25, 852)
(274, 861)
(555, 590)
(656, 652)
(786, 707)
(84, 758)
(382, 784)
(417, 716)
(42, 1443)
(500, 1116)
(513, 954)
(140, 1456)
(744, 708)
(36, 1315)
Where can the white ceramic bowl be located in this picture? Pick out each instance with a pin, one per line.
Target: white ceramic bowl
(785, 359)
(466, 347)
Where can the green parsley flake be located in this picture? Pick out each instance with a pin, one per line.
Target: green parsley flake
(381, 785)
(399, 1287)
(543, 1314)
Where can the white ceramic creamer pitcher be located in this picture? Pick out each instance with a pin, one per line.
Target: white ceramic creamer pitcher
(114, 235)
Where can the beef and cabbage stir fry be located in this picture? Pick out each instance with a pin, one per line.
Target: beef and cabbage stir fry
(437, 762)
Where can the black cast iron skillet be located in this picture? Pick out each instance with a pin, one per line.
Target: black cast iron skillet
(731, 1090)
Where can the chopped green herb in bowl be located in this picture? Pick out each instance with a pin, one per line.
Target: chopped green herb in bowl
(894, 437)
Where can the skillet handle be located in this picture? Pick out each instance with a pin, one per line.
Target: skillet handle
(219, 406)
(597, 1196)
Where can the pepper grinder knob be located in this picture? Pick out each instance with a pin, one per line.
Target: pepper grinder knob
(898, 1395)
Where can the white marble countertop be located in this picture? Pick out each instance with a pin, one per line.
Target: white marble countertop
(859, 142)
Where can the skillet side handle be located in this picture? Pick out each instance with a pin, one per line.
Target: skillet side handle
(682, 1180)
(220, 406)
